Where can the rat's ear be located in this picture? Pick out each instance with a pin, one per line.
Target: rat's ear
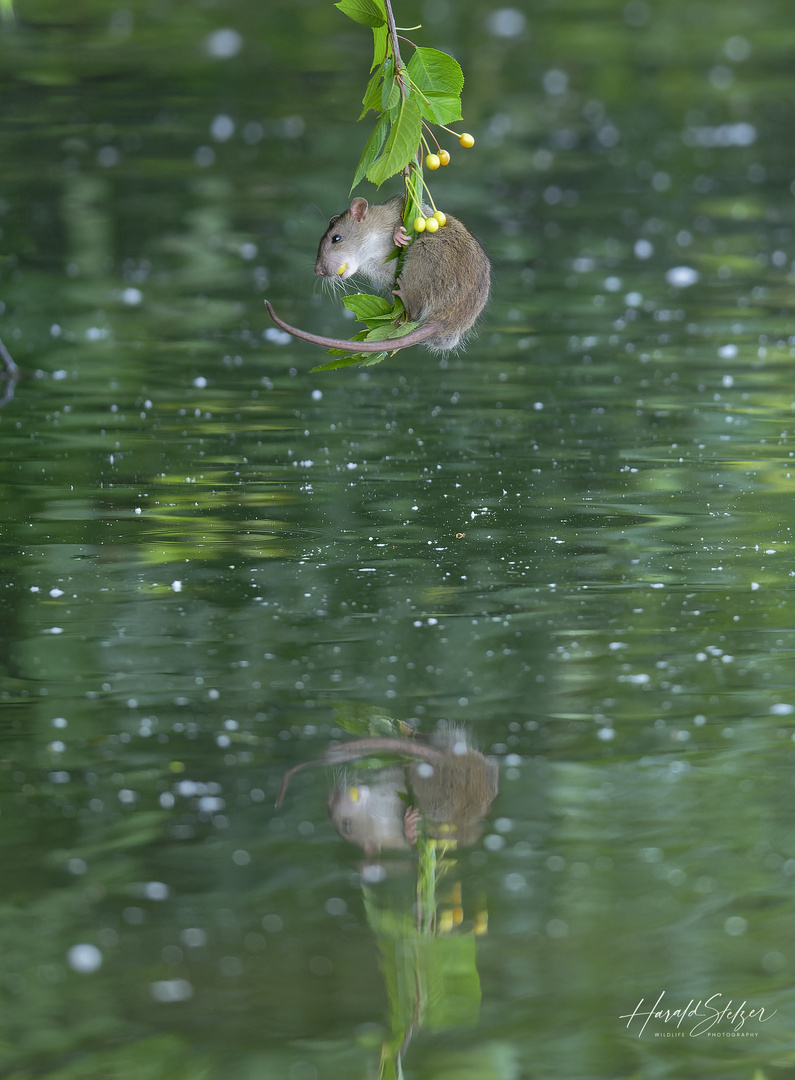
(358, 209)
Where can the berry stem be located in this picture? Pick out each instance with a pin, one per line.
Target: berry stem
(429, 129)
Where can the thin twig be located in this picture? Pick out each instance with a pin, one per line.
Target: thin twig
(9, 376)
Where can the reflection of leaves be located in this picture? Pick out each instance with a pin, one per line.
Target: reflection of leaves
(432, 981)
(364, 720)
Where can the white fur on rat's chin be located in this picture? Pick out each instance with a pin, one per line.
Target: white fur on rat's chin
(336, 284)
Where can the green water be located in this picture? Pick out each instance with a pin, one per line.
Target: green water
(575, 538)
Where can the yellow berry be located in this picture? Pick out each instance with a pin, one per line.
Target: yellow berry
(342, 268)
(444, 157)
(419, 224)
(431, 224)
(466, 139)
(440, 217)
(433, 161)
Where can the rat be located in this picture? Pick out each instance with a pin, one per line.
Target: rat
(444, 283)
(375, 814)
(452, 785)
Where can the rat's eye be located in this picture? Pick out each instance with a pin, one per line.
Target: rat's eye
(336, 239)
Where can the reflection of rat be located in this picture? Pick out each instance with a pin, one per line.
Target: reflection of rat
(444, 283)
(453, 786)
(374, 813)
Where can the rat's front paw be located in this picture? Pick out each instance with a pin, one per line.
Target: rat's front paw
(401, 237)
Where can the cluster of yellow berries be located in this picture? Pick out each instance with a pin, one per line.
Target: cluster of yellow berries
(435, 222)
(429, 224)
(433, 161)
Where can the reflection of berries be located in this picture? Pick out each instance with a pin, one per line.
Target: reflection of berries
(444, 157)
(433, 161)
(466, 139)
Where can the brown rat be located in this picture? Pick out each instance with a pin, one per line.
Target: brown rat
(444, 283)
(452, 784)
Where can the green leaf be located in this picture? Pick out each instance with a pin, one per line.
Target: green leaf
(386, 333)
(371, 150)
(380, 45)
(391, 99)
(367, 12)
(372, 95)
(365, 306)
(401, 144)
(340, 362)
(435, 71)
(441, 108)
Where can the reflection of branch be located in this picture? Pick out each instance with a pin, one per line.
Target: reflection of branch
(10, 374)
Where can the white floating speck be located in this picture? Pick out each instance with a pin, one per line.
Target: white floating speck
(278, 337)
(222, 128)
(200, 382)
(682, 276)
(84, 958)
(223, 44)
(171, 990)
(156, 890)
(176, 585)
(735, 925)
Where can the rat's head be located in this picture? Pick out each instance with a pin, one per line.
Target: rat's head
(345, 243)
(370, 815)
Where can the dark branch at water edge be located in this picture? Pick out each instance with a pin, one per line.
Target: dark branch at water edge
(9, 375)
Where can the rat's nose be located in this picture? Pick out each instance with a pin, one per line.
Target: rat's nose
(320, 270)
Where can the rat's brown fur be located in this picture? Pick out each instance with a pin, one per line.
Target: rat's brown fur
(444, 283)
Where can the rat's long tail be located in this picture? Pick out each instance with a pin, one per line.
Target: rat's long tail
(360, 748)
(415, 337)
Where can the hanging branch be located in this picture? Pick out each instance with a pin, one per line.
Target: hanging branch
(407, 99)
(393, 36)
